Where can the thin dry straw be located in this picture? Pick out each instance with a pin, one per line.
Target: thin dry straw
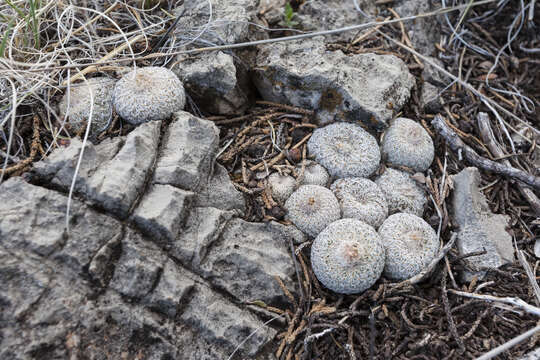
(11, 129)
(261, 42)
(79, 160)
(466, 85)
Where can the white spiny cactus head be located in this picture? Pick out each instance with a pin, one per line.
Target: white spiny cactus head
(347, 256)
(146, 94)
(410, 243)
(314, 174)
(407, 143)
(361, 199)
(75, 106)
(282, 186)
(345, 150)
(311, 208)
(402, 193)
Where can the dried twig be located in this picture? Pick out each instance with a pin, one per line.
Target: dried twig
(455, 142)
(487, 135)
(504, 347)
(505, 300)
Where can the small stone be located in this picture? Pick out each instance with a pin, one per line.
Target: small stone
(295, 155)
(479, 228)
(278, 212)
(338, 87)
(211, 80)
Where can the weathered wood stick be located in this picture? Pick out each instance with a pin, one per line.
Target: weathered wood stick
(470, 155)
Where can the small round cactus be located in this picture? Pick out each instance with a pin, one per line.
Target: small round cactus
(282, 186)
(345, 150)
(146, 94)
(407, 143)
(311, 208)
(314, 174)
(410, 243)
(401, 192)
(361, 199)
(77, 110)
(347, 257)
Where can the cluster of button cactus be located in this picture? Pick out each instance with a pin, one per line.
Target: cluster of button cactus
(365, 222)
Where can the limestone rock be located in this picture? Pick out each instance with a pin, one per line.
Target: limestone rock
(203, 227)
(317, 15)
(171, 291)
(233, 26)
(220, 193)
(117, 183)
(211, 80)
(188, 152)
(112, 174)
(363, 87)
(162, 211)
(104, 288)
(423, 32)
(223, 323)
(479, 228)
(139, 267)
(246, 259)
(33, 221)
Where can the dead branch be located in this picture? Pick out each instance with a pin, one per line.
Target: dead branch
(505, 300)
(456, 144)
(487, 135)
(507, 345)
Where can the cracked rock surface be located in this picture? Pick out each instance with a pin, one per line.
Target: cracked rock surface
(479, 228)
(156, 263)
(338, 87)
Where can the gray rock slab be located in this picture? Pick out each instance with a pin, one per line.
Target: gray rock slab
(162, 211)
(317, 15)
(101, 267)
(48, 313)
(139, 268)
(246, 259)
(479, 228)
(423, 32)
(211, 81)
(429, 97)
(112, 174)
(33, 220)
(59, 167)
(203, 227)
(233, 26)
(188, 152)
(221, 193)
(363, 88)
(220, 322)
(23, 282)
(117, 183)
(171, 291)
